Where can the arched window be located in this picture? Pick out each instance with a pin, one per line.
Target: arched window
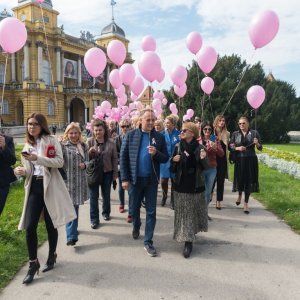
(51, 108)
(46, 72)
(2, 69)
(5, 107)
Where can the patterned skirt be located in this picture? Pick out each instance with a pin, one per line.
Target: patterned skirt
(190, 216)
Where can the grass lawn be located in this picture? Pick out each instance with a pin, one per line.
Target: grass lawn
(294, 148)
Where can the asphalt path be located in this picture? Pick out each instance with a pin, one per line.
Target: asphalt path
(255, 256)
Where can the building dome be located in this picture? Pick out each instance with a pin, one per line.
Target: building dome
(113, 28)
(4, 14)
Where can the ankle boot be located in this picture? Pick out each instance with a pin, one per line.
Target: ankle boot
(163, 201)
(50, 262)
(188, 247)
(34, 267)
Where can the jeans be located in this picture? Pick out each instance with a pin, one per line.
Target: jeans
(122, 197)
(3, 195)
(209, 177)
(94, 195)
(144, 188)
(72, 227)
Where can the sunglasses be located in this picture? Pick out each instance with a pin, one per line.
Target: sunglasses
(242, 123)
(125, 126)
(184, 130)
(206, 129)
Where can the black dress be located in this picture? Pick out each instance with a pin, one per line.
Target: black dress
(246, 162)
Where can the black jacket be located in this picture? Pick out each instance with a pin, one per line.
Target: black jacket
(7, 159)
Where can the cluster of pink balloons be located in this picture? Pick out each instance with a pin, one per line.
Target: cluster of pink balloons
(13, 35)
(173, 108)
(179, 76)
(256, 96)
(263, 28)
(188, 115)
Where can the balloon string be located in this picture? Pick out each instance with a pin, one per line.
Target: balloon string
(48, 56)
(3, 88)
(243, 74)
(202, 107)
(211, 110)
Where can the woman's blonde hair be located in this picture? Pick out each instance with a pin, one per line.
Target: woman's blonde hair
(73, 125)
(215, 124)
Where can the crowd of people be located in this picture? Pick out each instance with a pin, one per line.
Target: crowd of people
(136, 155)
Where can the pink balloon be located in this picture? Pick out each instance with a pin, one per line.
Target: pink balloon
(194, 42)
(122, 100)
(133, 96)
(148, 43)
(120, 91)
(116, 51)
(127, 73)
(263, 28)
(115, 79)
(164, 101)
(13, 35)
(40, 1)
(156, 103)
(207, 85)
(180, 91)
(158, 94)
(161, 76)
(190, 113)
(178, 75)
(172, 107)
(207, 58)
(95, 61)
(137, 86)
(185, 118)
(256, 96)
(149, 65)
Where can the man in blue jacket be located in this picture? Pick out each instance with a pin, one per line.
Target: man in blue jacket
(142, 152)
(7, 159)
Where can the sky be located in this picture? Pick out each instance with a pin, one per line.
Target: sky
(222, 24)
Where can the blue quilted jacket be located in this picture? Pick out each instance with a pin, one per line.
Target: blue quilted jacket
(130, 151)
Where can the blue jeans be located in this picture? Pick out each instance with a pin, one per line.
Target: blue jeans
(209, 177)
(144, 188)
(3, 195)
(122, 197)
(94, 195)
(72, 227)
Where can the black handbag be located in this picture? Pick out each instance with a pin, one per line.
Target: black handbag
(94, 171)
(232, 157)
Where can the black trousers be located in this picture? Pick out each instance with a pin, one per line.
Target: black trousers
(35, 206)
(3, 195)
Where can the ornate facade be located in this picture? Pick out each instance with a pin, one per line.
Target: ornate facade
(67, 93)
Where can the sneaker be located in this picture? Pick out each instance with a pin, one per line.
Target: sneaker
(121, 209)
(94, 225)
(150, 250)
(135, 234)
(71, 242)
(129, 219)
(143, 203)
(106, 218)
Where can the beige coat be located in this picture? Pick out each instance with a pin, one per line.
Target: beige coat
(56, 196)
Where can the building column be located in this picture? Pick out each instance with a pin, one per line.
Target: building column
(26, 61)
(13, 67)
(107, 77)
(85, 115)
(58, 64)
(39, 45)
(69, 114)
(79, 78)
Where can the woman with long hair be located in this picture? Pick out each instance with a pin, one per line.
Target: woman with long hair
(45, 191)
(101, 145)
(188, 163)
(242, 144)
(223, 136)
(75, 153)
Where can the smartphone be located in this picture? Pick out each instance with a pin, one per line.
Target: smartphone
(212, 138)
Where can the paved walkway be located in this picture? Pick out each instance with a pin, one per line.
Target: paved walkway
(253, 256)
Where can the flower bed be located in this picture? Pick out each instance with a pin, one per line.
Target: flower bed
(284, 162)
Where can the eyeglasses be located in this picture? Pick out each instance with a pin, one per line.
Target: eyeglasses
(206, 129)
(184, 130)
(125, 126)
(242, 123)
(33, 124)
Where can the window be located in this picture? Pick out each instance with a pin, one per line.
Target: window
(5, 107)
(51, 108)
(46, 72)
(2, 69)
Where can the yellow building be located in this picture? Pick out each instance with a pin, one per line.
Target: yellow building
(66, 94)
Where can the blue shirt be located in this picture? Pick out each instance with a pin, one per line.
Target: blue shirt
(144, 160)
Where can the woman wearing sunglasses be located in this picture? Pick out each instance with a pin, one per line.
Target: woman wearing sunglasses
(243, 143)
(214, 150)
(188, 162)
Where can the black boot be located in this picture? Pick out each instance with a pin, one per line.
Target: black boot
(172, 204)
(34, 267)
(163, 201)
(50, 262)
(188, 247)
